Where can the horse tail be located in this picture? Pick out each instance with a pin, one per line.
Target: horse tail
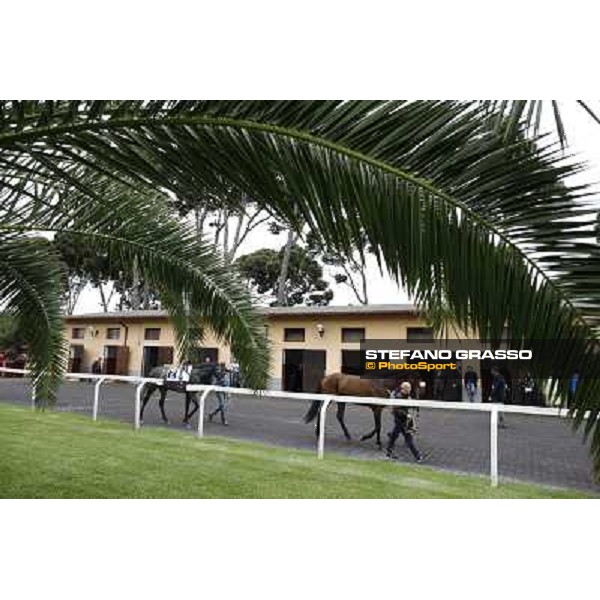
(315, 405)
(313, 411)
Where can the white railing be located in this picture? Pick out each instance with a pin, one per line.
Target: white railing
(100, 379)
(493, 409)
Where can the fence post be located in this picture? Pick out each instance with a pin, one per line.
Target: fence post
(322, 417)
(138, 403)
(97, 398)
(494, 446)
(201, 411)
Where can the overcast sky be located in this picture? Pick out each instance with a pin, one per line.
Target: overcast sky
(584, 142)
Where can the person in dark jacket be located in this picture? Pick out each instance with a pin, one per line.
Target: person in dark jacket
(439, 384)
(222, 379)
(208, 370)
(498, 392)
(529, 395)
(402, 424)
(471, 381)
(97, 366)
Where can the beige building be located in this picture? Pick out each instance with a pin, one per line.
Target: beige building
(307, 342)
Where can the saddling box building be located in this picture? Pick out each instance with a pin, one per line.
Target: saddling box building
(307, 342)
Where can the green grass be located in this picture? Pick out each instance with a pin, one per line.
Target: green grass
(59, 455)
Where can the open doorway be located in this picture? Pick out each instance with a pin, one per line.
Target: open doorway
(199, 354)
(115, 360)
(76, 358)
(303, 370)
(352, 362)
(156, 356)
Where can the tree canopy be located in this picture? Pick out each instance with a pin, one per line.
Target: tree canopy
(12, 339)
(304, 283)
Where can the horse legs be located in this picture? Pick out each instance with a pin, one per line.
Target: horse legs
(318, 426)
(377, 429)
(147, 395)
(161, 404)
(187, 408)
(341, 411)
(377, 416)
(190, 397)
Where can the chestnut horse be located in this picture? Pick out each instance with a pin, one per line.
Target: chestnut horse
(340, 384)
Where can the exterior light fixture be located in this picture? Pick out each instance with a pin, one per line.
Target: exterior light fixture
(320, 330)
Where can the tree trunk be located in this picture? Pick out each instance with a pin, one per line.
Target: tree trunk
(364, 287)
(103, 297)
(285, 264)
(75, 289)
(135, 289)
(230, 251)
(146, 296)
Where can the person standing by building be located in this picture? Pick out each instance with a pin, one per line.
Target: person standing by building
(234, 374)
(528, 391)
(498, 392)
(207, 371)
(222, 379)
(439, 384)
(471, 381)
(402, 425)
(97, 366)
(573, 383)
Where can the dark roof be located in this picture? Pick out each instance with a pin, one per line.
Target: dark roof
(119, 315)
(360, 309)
(273, 311)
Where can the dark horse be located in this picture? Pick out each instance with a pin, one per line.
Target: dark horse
(340, 384)
(203, 373)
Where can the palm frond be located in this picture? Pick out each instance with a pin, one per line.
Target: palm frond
(197, 287)
(30, 275)
(510, 116)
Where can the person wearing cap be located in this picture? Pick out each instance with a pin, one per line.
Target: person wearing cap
(401, 424)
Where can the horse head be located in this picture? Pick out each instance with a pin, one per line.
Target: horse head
(203, 373)
(159, 372)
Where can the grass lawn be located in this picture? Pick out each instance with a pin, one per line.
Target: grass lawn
(59, 455)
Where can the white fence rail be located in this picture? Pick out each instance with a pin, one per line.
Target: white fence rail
(492, 409)
(100, 379)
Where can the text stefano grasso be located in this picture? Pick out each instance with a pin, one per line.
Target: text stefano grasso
(448, 354)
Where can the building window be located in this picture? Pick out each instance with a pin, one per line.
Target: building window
(419, 334)
(152, 333)
(113, 333)
(293, 334)
(353, 334)
(78, 333)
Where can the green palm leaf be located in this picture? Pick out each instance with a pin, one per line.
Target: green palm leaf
(109, 217)
(30, 275)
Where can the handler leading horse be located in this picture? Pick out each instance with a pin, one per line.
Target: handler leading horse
(340, 384)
